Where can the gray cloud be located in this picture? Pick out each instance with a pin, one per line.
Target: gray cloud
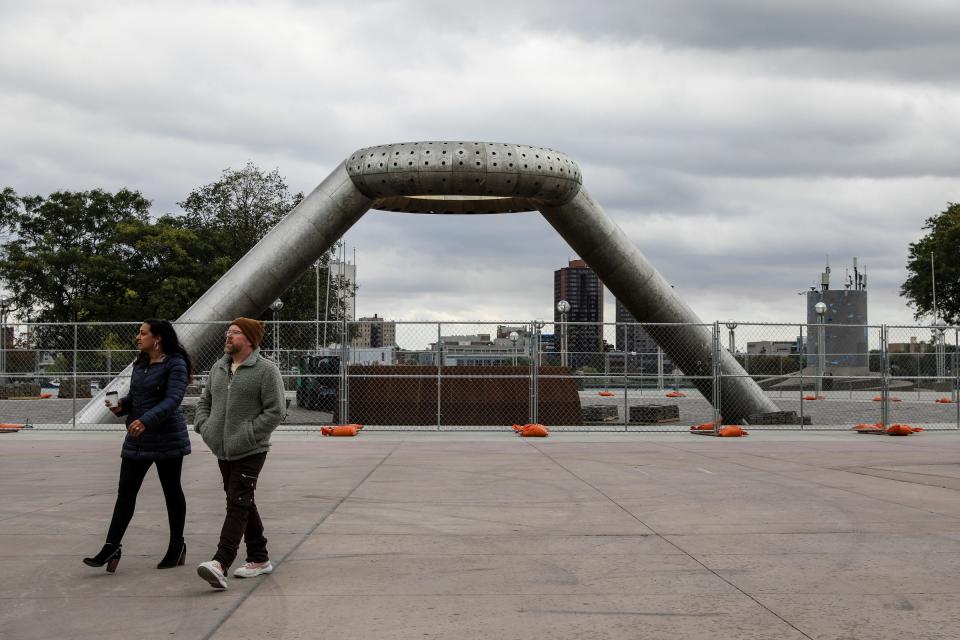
(733, 24)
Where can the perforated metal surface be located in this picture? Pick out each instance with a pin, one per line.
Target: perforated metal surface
(463, 177)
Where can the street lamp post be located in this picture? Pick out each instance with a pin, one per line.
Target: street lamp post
(821, 309)
(276, 306)
(563, 307)
(940, 348)
(732, 325)
(514, 336)
(316, 342)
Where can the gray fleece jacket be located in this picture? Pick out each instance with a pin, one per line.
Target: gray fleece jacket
(237, 413)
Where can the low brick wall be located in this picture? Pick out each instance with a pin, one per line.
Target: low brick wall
(19, 390)
(469, 395)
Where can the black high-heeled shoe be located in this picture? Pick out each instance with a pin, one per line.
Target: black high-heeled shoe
(109, 555)
(175, 557)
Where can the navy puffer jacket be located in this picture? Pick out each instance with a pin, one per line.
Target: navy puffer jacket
(156, 391)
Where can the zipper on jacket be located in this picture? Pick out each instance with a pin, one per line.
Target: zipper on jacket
(223, 432)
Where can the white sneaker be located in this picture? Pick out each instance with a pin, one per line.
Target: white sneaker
(252, 569)
(212, 572)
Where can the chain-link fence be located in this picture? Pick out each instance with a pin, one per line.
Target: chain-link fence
(488, 375)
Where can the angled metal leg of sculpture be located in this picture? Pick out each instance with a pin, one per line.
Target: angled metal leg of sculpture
(263, 274)
(648, 296)
(437, 177)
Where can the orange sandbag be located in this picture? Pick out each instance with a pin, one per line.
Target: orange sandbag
(899, 430)
(535, 431)
(46, 396)
(864, 427)
(732, 431)
(10, 426)
(676, 394)
(892, 399)
(605, 394)
(944, 400)
(532, 430)
(814, 397)
(706, 426)
(342, 430)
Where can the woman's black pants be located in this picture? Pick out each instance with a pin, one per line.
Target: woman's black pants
(132, 473)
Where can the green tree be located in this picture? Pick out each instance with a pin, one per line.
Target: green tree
(233, 213)
(943, 242)
(171, 264)
(239, 208)
(97, 256)
(64, 261)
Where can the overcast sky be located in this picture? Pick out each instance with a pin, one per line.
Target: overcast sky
(737, 143)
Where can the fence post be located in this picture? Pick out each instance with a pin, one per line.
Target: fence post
(439, 364)
(803, 365)
(534, 371)
(344, 373)
(884, 378)
(717, 418)
(956, 374)
(625, 352)
(75, 351)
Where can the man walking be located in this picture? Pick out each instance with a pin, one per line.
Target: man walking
(241, 404)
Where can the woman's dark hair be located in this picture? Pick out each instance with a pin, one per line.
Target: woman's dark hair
(169, 343)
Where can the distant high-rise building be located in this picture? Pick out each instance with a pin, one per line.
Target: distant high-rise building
(845, 332)
(579, 286)
(633, 340)
(374, 332)
(632, 337)
(348, 272)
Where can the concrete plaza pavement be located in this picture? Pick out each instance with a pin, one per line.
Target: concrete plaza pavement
(485, 535)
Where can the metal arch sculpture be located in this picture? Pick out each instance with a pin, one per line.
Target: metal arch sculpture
(466, 178)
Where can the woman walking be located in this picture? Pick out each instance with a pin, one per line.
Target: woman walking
(156, 434)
